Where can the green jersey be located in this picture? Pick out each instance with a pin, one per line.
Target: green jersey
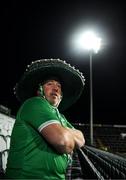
(30, 155)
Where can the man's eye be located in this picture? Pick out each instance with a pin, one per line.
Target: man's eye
(49, 83)
(59, 85)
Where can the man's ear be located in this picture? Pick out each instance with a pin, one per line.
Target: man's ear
(61, 97)
(40, 91)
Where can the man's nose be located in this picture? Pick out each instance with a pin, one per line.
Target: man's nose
(55, 87)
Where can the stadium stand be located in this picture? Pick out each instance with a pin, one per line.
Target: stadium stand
(6, 125)
(110, 138)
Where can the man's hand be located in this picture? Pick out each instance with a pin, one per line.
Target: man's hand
(78, 137)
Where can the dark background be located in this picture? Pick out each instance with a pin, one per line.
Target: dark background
(34, 30)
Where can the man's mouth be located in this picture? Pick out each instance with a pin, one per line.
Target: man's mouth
(54, 94)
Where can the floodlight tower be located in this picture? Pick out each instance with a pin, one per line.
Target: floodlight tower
(88, 40)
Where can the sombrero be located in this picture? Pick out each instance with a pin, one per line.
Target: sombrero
(72, 80)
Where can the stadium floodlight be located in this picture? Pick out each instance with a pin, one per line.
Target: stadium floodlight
(88, 40)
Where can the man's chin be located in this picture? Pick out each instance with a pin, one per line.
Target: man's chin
(54, 101)
(55, 104)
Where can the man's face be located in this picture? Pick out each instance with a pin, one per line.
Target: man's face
(52, 92)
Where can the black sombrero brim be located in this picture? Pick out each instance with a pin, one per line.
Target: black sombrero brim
(72, 81)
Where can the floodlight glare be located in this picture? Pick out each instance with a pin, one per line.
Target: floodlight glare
(89, 41)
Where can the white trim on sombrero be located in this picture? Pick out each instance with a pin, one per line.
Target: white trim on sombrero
(42, 126)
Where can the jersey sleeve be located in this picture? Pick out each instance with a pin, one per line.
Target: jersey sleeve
(38, 113)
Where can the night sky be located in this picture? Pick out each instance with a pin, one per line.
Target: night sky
(46, 29)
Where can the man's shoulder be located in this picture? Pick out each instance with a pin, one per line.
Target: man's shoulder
(35, 99)
(34, 103)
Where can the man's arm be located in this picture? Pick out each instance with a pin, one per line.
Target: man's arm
(60, 138)
(78, 137)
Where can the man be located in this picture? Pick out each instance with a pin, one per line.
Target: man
(42, 139)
